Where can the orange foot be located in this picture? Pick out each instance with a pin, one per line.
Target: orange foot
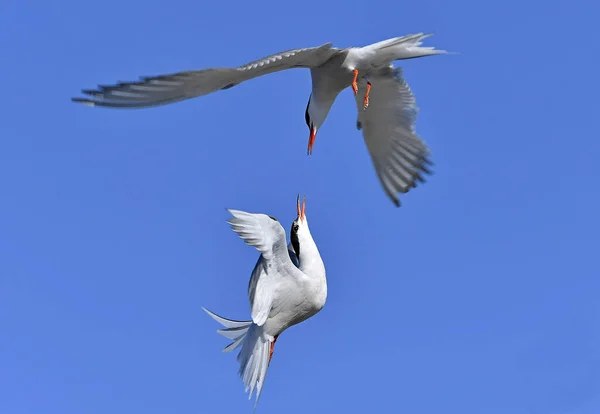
(366, 102)
(354, 82)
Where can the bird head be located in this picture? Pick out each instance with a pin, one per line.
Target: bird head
(315, 115)
(311, 127)
(300, 234)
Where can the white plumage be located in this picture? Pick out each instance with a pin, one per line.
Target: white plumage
(398, 153)
(287, 286)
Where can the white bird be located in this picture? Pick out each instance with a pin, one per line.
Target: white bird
(398, 153)
(287, 286)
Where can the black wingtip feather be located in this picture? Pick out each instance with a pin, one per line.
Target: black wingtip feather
(419, 178)
(425, 170)
(92, 92)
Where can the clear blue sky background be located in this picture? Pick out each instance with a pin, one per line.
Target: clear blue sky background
(479, 295)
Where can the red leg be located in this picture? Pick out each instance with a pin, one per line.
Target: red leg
(354, 82)
(366, 103)
(272, 348)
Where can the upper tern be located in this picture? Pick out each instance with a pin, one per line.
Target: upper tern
(287, 286)
(398, 153)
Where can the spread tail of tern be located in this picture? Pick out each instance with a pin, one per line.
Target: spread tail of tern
(254, 355)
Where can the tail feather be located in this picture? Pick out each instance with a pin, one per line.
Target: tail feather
(408, 40)
(233, 333)
(404, 47)
(235, 344)
(254, 355)
(254, 360)
(228, 323)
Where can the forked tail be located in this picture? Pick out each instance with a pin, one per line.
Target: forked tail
(254, 355)
(404, 47)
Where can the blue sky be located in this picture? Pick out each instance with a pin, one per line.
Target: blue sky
(478, 295)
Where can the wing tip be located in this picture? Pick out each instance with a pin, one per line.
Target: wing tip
(84, 101)
(92, 92)
(416, 179)
(236, 213)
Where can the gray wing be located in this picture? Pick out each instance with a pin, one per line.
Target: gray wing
(274, 264)
(165, 89)
(399, 155)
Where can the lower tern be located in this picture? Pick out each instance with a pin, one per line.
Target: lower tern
(399, 155)
(287, 286)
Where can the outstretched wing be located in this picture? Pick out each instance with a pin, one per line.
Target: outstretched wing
(165, 89)
(388, 124)
(268, 237)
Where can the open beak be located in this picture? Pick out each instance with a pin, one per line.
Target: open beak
(311, 139)
(301, 209)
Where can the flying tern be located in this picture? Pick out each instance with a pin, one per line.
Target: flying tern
(287, 286)
(399, 155)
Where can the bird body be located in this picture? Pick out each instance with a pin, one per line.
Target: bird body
(288, 285)
(336, 74)
(398, 153)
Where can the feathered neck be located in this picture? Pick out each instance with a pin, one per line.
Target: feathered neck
(309, 258)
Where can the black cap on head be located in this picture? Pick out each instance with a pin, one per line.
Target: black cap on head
(307, 115)
(294, 238)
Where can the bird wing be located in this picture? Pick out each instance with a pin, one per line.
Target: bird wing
(388, 125)
(165, 89)
(268, 237)
(260, 276)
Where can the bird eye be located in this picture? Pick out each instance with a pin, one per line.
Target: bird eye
(272, 218)
(295, 227)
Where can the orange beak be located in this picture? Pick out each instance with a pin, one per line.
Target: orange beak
(311, 139)
(301, 210)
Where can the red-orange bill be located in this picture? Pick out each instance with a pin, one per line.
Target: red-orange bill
(311, 140)
(301, 208)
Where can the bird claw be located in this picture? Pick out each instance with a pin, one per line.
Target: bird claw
(366, 100)
(355, 82)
